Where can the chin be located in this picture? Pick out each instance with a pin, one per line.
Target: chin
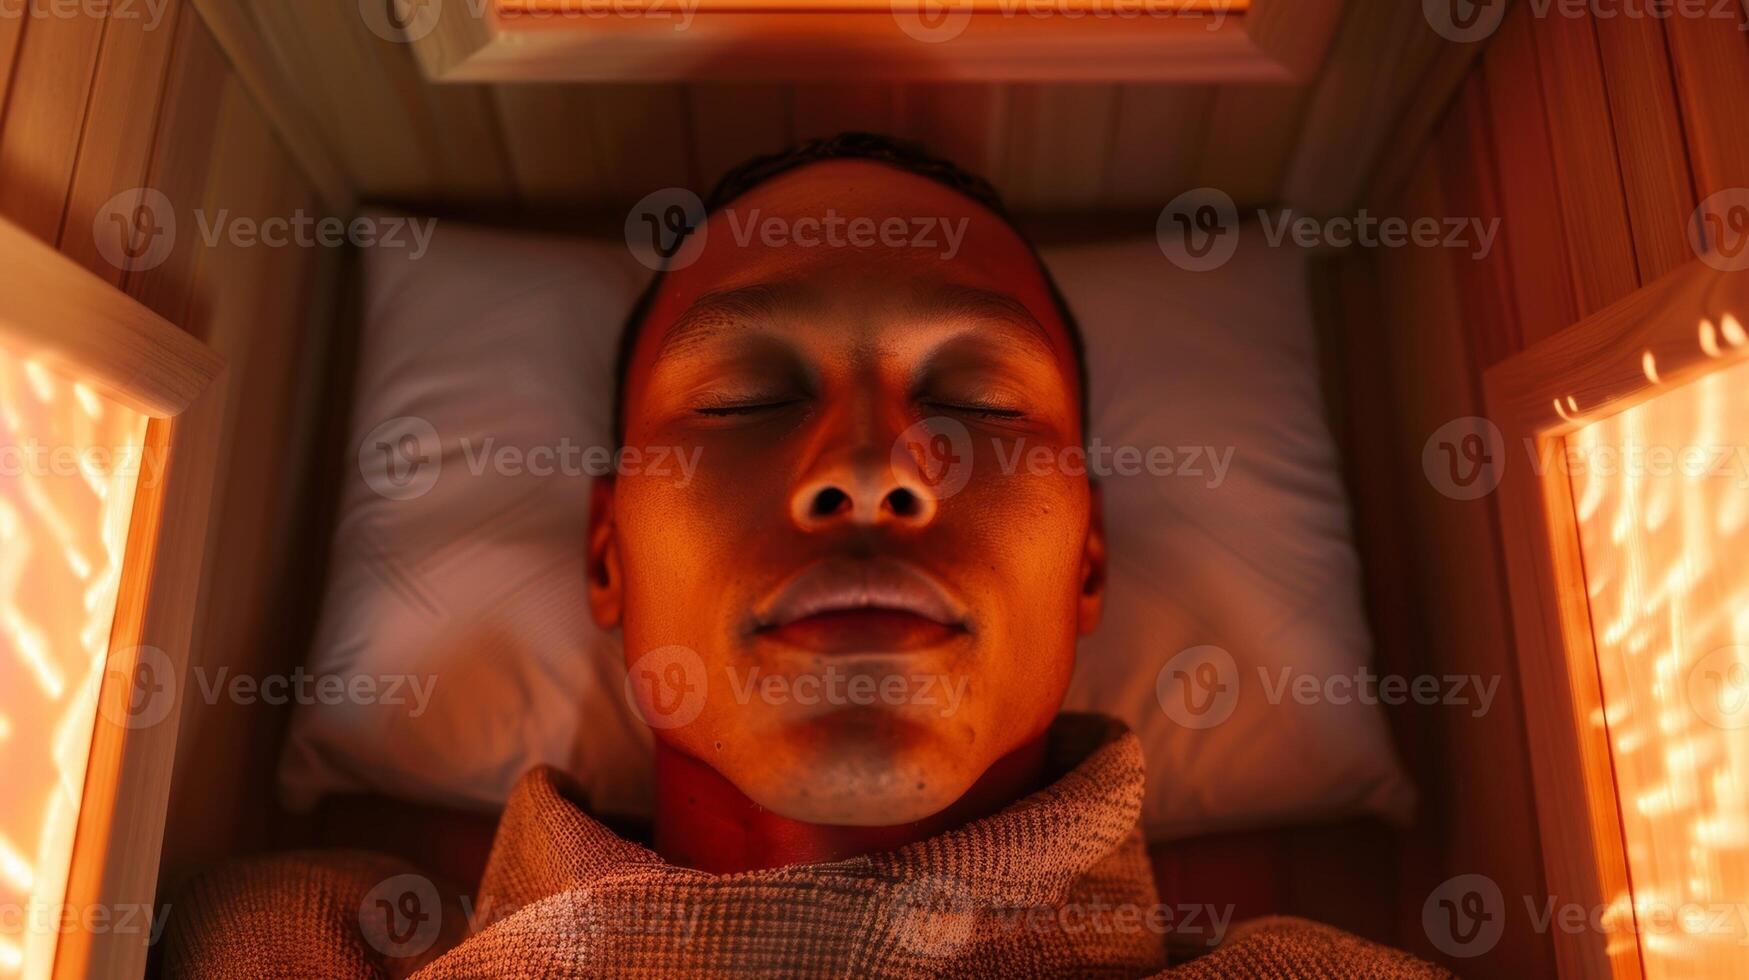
(866, 772)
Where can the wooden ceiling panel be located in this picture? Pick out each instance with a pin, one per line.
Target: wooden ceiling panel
(351, 102)
(877, 40)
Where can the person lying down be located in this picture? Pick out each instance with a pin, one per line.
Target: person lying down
(843, 530)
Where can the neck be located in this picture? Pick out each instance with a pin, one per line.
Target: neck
(704, 822)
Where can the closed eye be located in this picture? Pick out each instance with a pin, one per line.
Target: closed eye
(980, 410)
(752, 408)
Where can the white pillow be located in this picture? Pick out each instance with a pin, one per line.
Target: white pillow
(476, 582)
(1232, 556)
(489, 341)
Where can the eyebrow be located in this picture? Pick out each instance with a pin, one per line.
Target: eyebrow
(726, 309)
(984, 305)
(723, 309)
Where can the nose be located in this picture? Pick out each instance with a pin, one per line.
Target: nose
(863, 488)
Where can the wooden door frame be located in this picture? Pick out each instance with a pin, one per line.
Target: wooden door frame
(1660, 337)
(70, 320)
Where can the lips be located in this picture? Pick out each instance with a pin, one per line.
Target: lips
(861, 606)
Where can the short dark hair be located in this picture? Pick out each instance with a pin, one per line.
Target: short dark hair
(896, 153)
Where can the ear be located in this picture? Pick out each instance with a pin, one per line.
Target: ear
(601, 564)
(1093, 561)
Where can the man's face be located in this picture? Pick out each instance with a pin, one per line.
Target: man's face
(879, 562)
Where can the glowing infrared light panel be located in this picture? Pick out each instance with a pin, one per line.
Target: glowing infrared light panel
(69, 464)
(1662, 495)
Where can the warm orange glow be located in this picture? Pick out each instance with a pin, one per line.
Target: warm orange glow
(1662, 494)
(68, 469)
(1127, 8)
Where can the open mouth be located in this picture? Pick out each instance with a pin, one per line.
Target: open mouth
(861, 606)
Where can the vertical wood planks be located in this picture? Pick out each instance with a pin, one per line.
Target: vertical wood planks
(1252, 131)
(640, 138)
(1482, 776)
(1158, 134)
(181, 156)
(1059, 142)
(827, 110)
(11, 34)
(966, 122)
(1529, 197)
(121, 121)
(600, 146)
(1711, 59)
(732, 123)
(1380, 53)
(1464, 153)
(45, 114)
(1648, 139)
(1588, 180)
(547, 134)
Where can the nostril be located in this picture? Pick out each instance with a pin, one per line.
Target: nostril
(829, 501)
(903, 503)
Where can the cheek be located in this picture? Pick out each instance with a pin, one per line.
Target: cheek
(1028, 504)
(682, 535)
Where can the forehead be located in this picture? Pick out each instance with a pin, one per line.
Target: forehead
(856, 236)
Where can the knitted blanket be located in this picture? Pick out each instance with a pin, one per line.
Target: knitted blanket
(1055, 885)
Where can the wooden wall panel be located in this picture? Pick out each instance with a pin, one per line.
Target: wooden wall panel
(548, 130)
(1711, 59)
(1157, 135)
(181, 154)
(1592, 140)
(258, 62)
(826, 110)
(1648, 131)
(96, 106)
(45, 114)
(121, 120)
(732, 123)
(1251, 135)
(1380, 54)
(349, 78)
(1059, 145)
(571, 145)
(1535, 238)
(1588, 178)
(964, 122)
(346, 100)
(11, 33)
(1465, 153)
(1479, 797)
(639, 136)
(252, 305)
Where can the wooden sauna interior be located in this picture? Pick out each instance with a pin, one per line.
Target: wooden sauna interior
(1592, 139)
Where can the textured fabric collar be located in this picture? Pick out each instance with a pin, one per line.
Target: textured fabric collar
(1026, 854)
(565, 893)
